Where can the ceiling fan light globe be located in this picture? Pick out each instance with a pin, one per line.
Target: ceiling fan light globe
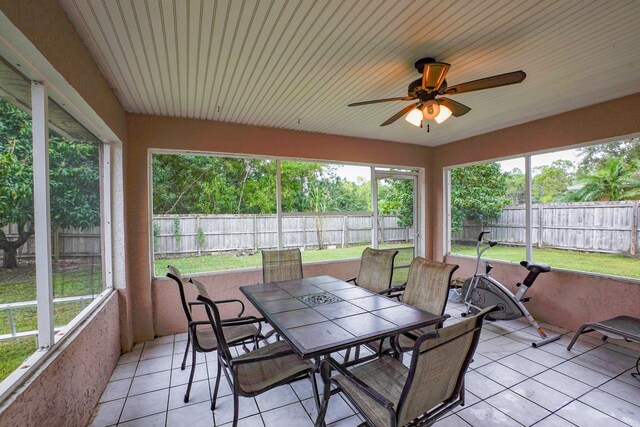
(430, 110)
(414, 117)
(444, 114)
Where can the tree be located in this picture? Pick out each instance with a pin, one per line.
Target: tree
(550, 183)
(477, 192)
(395, 197)
(515, 186)
(593, 157)
(617, 179)
(74, 181)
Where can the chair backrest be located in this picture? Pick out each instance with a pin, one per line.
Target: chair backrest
(213, 314)
(281, 265)
(174, 273)
(439, 362)
(428, 285)
(376, 269)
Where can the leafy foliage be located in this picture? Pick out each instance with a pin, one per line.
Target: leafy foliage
(551, 183)
(616, 179)
(477, 192)
(74, 181)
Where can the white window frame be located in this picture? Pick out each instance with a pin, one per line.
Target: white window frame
(397, 171)
(48, 341)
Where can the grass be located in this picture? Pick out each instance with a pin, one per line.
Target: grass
(13, 353)
(220, 262)
(592, 262)
(16, 285)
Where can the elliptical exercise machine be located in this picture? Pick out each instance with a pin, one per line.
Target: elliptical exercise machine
(482, 291)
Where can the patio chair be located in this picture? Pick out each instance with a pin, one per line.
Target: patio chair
(200, 336)
(376, 270)
(255, 372)
(427, 288)
(376, 273)
(387, 393)
(281, 265)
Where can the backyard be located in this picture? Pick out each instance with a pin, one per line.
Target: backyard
(591, 262)
(206, 263)
(18, 285)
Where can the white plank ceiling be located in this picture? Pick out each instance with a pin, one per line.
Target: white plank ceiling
(297, 64)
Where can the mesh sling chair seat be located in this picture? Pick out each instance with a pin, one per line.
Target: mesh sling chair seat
(375, 274)
(376, 270)
(281, 265)
(388, 394)
(257, 371)
(427, 288)
(201, 337)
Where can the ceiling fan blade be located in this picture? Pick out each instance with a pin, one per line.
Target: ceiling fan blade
(433, 75)
(400, 113)
(457, 109)
(487, 83)
(403, 98)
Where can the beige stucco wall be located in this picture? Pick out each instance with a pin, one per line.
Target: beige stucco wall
(562, 298)
(157, 308)
(64, 391)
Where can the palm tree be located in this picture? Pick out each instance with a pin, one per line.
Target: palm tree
(617, 179)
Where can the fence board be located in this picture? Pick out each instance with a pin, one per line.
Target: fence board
(254, 232)
(597, 227)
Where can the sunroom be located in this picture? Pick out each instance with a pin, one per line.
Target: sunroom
(209, 135)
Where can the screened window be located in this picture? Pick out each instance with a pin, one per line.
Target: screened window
(583, 210)
(215, 213)
(52, 258)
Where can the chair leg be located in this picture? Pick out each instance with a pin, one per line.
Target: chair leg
(235, 408)
(215, 389)
(186, 351)
(325, 373)
(347, 355)
(193, 371)
(314, 384)
(577, 335)
(357, 353)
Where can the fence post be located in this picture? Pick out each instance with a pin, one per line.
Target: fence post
(198, 234)
(540, 225)
(255, 232)
(633, 247)
(304, 233)
(344, 230)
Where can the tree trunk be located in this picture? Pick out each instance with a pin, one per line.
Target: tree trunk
(10, 247)
(10, 259)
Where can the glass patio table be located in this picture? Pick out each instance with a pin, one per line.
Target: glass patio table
(321, 315)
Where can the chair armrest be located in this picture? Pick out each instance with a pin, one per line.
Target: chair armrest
(354, 280)
(253, 358)
(227, 301)
(398, 289)
(246, 320)
(358, 383)
(222, 301)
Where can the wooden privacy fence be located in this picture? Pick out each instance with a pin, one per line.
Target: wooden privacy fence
(196, 234)
(590, 227)
(67, 243)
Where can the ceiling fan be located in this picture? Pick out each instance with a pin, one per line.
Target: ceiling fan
(428, 90)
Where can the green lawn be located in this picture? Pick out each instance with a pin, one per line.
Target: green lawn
(614, 264)
(220, 262)
(16, 285)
